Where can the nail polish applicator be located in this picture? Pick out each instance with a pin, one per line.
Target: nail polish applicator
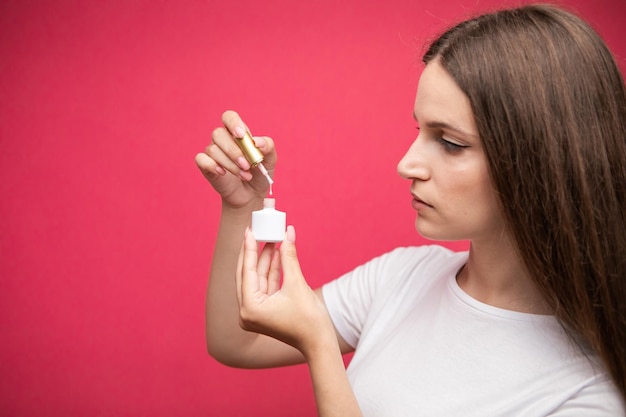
(268, 224)
(252, 154)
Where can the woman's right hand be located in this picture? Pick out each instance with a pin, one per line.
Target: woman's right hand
(228, 171)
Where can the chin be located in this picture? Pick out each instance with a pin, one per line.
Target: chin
(433, 232)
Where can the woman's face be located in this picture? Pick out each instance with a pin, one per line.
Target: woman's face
(450, 184)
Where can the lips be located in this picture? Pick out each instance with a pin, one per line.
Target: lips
(419, 203)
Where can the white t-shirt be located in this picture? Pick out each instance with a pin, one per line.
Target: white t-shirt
(426, 348)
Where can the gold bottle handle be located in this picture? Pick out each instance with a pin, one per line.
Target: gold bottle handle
(249, 149)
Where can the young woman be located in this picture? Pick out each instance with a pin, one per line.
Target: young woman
(521, 150)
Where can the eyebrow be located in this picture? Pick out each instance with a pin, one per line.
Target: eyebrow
(436, 124)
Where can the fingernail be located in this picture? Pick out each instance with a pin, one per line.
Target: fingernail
(290, 236)
(259, 142)
(245, 175)
(220, 171)
(243, 163)
(240, 132)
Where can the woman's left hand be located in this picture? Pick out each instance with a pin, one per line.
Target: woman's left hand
(292, 313)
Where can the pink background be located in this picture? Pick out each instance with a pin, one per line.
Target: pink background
(107, 227)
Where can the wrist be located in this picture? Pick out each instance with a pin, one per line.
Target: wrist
(323, 346)
(243, 210)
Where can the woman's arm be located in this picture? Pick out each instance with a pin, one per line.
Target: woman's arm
(242, 191)
(333, 392)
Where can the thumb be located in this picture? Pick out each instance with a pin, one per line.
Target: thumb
(288, 256)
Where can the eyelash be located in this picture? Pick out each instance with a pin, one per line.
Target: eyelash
(449, 146)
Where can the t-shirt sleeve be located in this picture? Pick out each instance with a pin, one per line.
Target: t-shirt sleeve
(349, 298)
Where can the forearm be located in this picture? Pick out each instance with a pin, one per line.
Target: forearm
(223, 332)
(333, 393)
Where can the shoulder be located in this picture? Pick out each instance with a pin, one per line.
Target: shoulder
(598, 397)
(383, 284)
(399, 269)
(427, 261)
(418, 256)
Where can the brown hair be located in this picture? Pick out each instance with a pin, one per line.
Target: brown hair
(550, 106)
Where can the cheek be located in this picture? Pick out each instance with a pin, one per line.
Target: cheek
(485, 207)
(470, 193)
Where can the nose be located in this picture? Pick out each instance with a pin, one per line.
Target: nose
(413, 164)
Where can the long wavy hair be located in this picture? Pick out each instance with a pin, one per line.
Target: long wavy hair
(550, 106)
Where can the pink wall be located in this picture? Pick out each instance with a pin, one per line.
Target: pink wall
(107, 227)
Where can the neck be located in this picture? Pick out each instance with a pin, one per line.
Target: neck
(495, 275)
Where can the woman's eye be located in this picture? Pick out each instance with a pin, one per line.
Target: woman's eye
(450, 146)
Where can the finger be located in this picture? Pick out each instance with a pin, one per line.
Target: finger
(273, 277)
(208, 166)
(288, 256)
(232, 121)
(223, 139)
(263, 266)
(237, 128)
(249, 277)
(266, 146)
(220, 157)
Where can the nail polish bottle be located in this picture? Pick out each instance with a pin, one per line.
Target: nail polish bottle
(269, 224)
